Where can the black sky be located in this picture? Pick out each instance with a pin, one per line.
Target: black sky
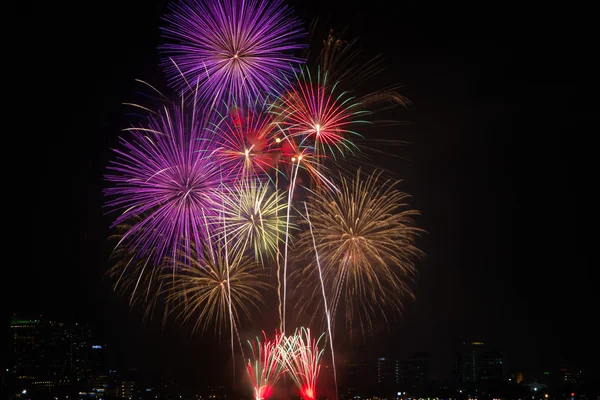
(499, 164)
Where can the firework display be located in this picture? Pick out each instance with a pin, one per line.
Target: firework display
(252, 174)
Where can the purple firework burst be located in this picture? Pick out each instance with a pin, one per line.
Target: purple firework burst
(165, 180)
(236, 50)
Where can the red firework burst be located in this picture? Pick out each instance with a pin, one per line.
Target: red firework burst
(313, 110)
(247, 143)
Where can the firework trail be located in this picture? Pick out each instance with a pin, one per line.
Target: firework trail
(302, 360)
(169, 174)
(267, 366)
(229, 302)
(299, 156)
(327, 315)
(365, 238)
(287, 225)
(236, 50)
(300, 153)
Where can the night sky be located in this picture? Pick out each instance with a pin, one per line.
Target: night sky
(499, 164)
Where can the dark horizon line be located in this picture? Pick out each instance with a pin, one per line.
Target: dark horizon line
(454, 349)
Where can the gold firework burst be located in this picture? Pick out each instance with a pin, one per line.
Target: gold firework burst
(214, 286)
(364, 236)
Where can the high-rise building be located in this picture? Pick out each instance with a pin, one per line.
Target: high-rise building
(81, 351)
(27, 348)
(414, 373)
(49, 355)
(356, 378)
(99, 384)
(388, 374)
(572, 376)
(479, 367)
(126, 390)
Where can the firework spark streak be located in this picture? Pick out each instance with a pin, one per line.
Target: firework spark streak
(302, 360)
(167, 173)
(229, 302)
(327, 315)
(297, 151)
(364, 235)
(236, 50)
(287, 225)
(268, 365)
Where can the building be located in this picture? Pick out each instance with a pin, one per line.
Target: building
(387, 375)
(127, 390)
(570, 376)
(356, 378)
(479, 368)
(27, 347)
(49, 356)
(99, 384)
(414, 373)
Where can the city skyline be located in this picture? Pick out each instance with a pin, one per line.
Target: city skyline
(494, 167)
(453, 372)
(50, 358)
